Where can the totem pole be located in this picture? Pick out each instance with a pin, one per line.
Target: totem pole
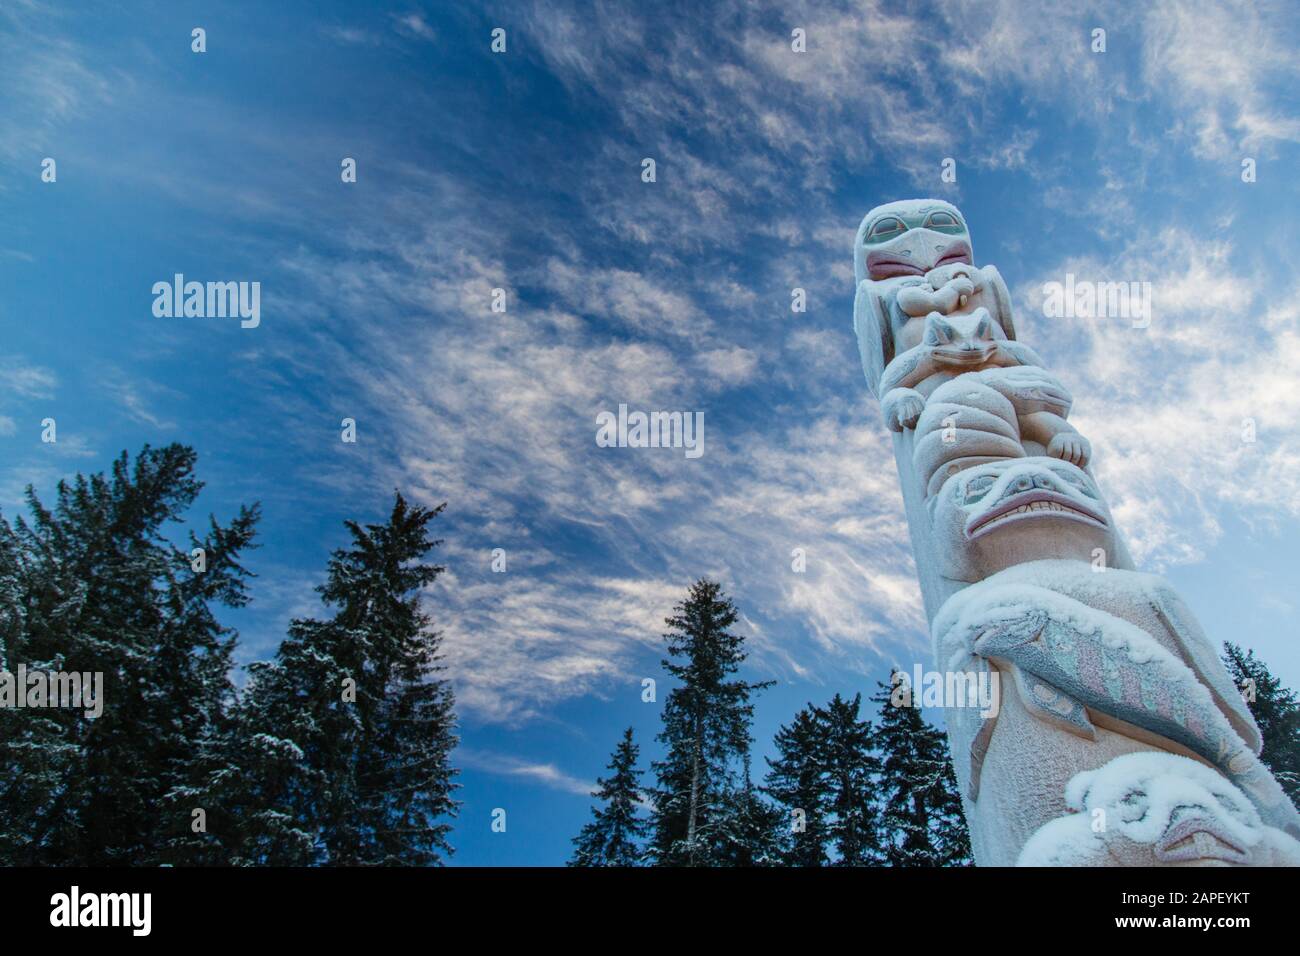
(1118, 737)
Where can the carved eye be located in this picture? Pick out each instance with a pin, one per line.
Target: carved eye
(887, 228)
(977, 488)
(1076, 480)
(942, 220)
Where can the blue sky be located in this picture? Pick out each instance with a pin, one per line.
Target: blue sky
(521, 171)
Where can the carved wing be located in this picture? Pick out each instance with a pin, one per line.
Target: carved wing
(875, 340)
(1199, 653)
(999, 304)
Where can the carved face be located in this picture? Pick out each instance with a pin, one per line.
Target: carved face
(910, 238)
(998, 514)
(962, 341)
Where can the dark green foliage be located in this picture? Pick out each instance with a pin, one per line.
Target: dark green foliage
(613, 836)
(750, 830)
(796, 780)
(851, 770)
(826, 770)
(94, 585)
(287, 772)
(342, 749)
(922, 821)
(706, 736)
(1277, 712)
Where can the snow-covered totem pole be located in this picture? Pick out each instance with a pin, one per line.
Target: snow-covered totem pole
(1117, 737)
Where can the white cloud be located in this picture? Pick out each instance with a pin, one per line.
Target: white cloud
(729, 366)
(48, 82)
(26, 380)
(416, 25)
(1220, 63)
(1165, 406)
(546, 774)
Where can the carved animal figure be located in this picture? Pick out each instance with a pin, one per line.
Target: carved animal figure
(1089, 649)
(1079, 668)
(998, 413)
(925, 316)
(1159, 810)
(910, 259)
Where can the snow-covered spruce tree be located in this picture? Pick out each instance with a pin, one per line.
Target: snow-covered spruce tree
(706, 724)
(349, 731)
(922, 823)
(1276, 710)
(264, 783)
(35, 747)
(750, 829)
(797, 781)
(826, 770)
(101, 588)
(851, 779)
(613, 837)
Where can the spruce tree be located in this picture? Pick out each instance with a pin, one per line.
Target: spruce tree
(750, 830)
(95, 585)
(706, 729)
(851, 769)
(1277, 712)
(826, 769)
(797, 781)
(347, 734)
(923, 823)
(37, 747)
(613, 836)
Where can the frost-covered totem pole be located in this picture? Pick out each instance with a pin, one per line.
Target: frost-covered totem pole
(1118, 737)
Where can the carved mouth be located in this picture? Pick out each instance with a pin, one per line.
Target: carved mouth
(958, 252)
(883, 265)
(963, 356)
(1037, 503)
(887, 267)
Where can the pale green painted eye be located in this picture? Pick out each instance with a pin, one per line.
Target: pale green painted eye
(943, 222)
(1077, 481)
(887, 228)
(977, 488)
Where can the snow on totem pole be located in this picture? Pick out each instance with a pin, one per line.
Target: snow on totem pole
(1118, 737)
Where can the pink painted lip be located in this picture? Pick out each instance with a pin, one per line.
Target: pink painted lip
(1075, 511)
(882, 265)
(885, 266)
(957, 252)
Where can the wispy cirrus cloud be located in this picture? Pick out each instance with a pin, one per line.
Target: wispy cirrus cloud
(1226, 66)
(676, 295)
(545, 774)
(1170, 407)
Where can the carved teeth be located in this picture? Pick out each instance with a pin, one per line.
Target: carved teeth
(1033, 507)
(1036, 506)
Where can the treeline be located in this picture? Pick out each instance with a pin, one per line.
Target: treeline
(335, 752)
(839, 791)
